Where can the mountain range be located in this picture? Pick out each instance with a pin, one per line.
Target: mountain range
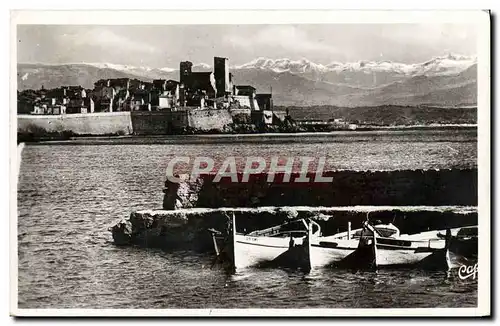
(446, 81)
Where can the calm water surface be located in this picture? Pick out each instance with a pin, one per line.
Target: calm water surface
(68, 197)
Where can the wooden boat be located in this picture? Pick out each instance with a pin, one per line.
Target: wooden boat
(380, 251)
(463, 246)
(302, 247)
(331, 250)
(275, 246)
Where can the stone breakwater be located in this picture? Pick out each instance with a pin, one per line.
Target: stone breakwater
(188, 228)
(415, 201)
(348, 188)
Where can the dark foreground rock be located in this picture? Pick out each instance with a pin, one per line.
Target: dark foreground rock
(348, 188)
(188, 228)
(122, 233)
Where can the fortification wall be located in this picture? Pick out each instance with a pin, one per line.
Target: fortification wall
(247, 101)
(136, 122)
(180, 119)
(151, 123)
(83, 124)
(235, 112)
(209, 119)
(241, 115)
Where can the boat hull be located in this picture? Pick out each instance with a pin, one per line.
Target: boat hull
(433, 255)
(386, 256)
(258, 251)
(328, 254)
(393, 252)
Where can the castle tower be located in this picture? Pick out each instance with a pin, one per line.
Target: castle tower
(221, 72)
(185, 73)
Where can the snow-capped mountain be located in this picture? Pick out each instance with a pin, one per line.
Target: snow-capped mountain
(363, 74)
(137, 70)
(281, 65)
(444, 65)
(148, 71)
(379, 72)
(446, 80)
(201, 66)
(448, 64)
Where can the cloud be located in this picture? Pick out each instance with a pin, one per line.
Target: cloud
(106, 38)
(287, 37)
(427, 34)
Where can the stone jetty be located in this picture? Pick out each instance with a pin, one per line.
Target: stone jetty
(415, 201)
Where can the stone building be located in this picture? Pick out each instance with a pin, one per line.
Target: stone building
(194, 90)
(222, 77)
(265, 101)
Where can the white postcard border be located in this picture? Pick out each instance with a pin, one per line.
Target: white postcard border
(99, 17)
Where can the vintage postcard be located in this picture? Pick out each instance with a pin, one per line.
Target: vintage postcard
(250, 163)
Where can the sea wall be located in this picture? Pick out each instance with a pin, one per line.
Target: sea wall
(170, 122)
(188, 228)
(209, 119)
(241, 115)
(83, 124)
(235, 112)
(125, 123)
(348, 188)
(150, 123)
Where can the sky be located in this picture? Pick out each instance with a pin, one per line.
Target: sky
(166, 45)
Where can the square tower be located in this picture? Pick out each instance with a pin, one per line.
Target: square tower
(221, 74)
(185, 72)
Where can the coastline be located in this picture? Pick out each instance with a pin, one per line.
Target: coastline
(67, 138)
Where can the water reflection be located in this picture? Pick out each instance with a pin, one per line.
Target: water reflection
(69, 196)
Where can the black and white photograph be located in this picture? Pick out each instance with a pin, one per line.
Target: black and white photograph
(232, 163)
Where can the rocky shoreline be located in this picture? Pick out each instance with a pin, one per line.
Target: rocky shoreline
(35, 135)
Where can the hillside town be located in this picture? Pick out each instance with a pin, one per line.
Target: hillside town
(197, 101)
(194, 90)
